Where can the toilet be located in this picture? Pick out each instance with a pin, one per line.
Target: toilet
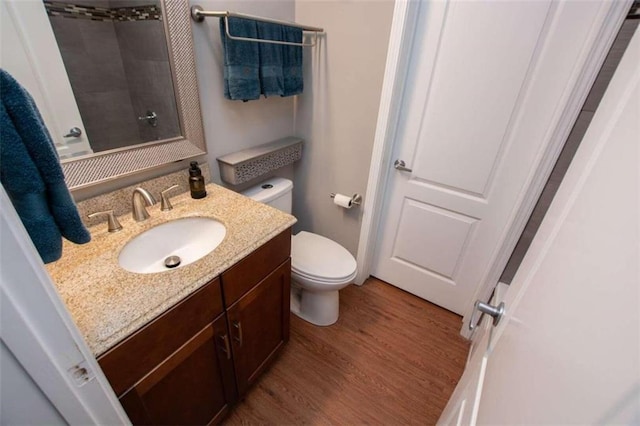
(320, 267)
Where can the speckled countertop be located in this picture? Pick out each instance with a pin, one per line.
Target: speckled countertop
(109, 303)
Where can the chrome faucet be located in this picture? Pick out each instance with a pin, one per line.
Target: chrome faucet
(138, 205)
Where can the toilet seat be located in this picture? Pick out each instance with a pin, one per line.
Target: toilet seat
(320, 259)
(322, 280)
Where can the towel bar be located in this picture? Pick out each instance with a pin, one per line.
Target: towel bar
(198, 14)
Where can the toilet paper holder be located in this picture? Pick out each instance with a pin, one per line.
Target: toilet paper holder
(356, 199)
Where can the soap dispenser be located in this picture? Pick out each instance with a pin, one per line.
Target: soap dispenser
(196, 181)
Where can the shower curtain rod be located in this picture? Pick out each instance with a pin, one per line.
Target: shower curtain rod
(198, 14)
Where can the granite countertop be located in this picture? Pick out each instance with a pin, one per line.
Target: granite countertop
(109, 303)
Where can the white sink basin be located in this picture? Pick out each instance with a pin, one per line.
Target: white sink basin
(190, 239)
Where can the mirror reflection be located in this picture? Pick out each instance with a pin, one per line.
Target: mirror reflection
(115, 54)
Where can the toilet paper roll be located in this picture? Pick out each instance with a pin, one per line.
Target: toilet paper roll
(343, 201)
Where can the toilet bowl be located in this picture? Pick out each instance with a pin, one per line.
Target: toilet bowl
(320, 267)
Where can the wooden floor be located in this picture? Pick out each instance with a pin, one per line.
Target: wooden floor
(391, 359)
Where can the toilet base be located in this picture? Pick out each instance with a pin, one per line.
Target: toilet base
(319, 308)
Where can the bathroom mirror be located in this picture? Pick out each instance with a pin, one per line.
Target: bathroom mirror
(116, 58)
(132, 72)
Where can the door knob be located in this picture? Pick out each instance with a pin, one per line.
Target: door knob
(400, 165)
(74, 132)
(494, 311)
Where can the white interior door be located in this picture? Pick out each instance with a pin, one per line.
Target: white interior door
(487, 87)
(568, 349)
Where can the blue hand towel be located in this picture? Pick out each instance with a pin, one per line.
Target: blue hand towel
(31, 174)
(292, 62)
(241, 60)
(271, 60)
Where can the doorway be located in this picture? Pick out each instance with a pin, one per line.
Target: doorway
(459, 205)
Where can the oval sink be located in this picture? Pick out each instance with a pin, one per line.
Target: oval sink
(154, 250)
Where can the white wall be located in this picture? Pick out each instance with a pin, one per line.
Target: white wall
(230, 126)
(336, 115)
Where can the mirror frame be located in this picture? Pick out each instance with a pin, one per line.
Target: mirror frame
(107, 166)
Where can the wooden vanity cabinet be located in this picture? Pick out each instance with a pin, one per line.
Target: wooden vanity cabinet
(257, 299)
(190, 364)
(259, 325)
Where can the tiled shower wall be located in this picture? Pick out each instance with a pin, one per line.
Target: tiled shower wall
(118, 71)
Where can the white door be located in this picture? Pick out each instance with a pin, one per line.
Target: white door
(31, 55)
(568, 348)
(488, 86)
(58, 372)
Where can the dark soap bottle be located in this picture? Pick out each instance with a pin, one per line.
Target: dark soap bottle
(196, 181)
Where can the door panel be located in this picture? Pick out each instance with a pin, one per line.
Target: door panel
(478, 112)
(483, 58)
(258, 324)
(575, 312)
(188, 388)
(456, 152)
(430, 238)
(567, 350)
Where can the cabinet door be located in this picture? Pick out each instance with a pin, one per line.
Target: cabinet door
(190, 387)
(259, 325)
(131, 360)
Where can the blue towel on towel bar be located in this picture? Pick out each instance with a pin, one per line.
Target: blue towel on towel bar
(271, 60)
(31, 174)
(241, 60)
(292, 62)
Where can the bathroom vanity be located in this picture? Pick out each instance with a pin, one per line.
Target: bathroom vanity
(181, 346)
(189, 364)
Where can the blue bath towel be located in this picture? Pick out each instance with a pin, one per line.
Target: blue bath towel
(292, 62)
(31, 174)
(271, 60)
(241, 60)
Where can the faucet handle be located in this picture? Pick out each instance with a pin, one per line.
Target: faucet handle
(113, 224)
(166, 203)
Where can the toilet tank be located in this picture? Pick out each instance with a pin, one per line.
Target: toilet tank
(275, 192)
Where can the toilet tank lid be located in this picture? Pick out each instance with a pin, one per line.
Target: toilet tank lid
(268, 190)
